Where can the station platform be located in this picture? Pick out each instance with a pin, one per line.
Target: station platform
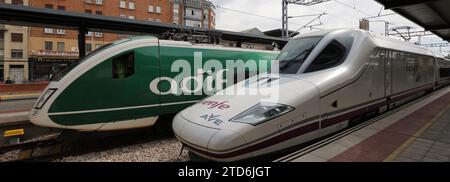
(418, 133)
(14, 109)
(13, 118)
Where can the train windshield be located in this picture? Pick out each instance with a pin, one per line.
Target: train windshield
(295, 53)
(61, 74)
(64, 72)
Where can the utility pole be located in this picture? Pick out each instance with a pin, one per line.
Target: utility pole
(284, 12)
(367, 21)
(284, 19)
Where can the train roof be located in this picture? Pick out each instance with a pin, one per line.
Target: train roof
(378, 40)
(390, 43)
(207, 46)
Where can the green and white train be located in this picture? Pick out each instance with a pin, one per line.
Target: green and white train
(129, 83)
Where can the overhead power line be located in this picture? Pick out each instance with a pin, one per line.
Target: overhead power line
(247, 13)
(256, 15)
(361, 11)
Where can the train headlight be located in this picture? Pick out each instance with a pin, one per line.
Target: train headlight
(262, 112)
(44, 98)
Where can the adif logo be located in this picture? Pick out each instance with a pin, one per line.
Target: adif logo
(214, 76)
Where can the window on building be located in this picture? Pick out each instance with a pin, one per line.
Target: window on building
(98, 12)
(150, 8)
(61, 8)
(49, 6)
(48, 30)
(48, 45)
(131, 5)
(16, 37)
(123, 16)
(2, 35)
(17, 2)
(88, 11)
(60, 31)
(98, 1)
(131, 17)
(61, 46)
(123, 65)
(89, 34)
(158, 9)
(16, 53)
(123, 4)
(88, 47)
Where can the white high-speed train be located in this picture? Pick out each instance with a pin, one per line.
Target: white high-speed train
(326, 79)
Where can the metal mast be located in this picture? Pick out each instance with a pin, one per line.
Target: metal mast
(285, 17)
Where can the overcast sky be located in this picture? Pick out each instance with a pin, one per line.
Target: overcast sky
(338, 16)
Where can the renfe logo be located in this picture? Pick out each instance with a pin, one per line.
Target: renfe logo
(215, 104)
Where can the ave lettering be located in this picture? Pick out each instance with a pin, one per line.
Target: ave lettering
(212, 118)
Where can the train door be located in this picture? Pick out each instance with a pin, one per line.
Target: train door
(387, 71)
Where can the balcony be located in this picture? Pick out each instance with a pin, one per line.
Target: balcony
(192, 17)
(192, 3)
(196, 3)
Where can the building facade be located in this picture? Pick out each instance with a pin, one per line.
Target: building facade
(195, 13)
(46, 51)
(14, 50)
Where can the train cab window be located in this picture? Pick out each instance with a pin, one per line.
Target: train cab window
(123, 65)
(296, 51)
(331, 56)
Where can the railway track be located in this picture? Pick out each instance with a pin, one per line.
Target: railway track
(67, 143)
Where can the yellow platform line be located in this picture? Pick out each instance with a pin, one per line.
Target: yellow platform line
(16, 132)
(19, 95)
(408, 142)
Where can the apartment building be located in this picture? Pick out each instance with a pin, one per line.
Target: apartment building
(14, 50)
(48, 50)
(195, 13)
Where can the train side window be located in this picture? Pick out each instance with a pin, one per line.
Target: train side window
(331, 56)
(123, 65)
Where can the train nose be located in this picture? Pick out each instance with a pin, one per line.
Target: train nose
(225, 140)
(210, 142)
(37, 117)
